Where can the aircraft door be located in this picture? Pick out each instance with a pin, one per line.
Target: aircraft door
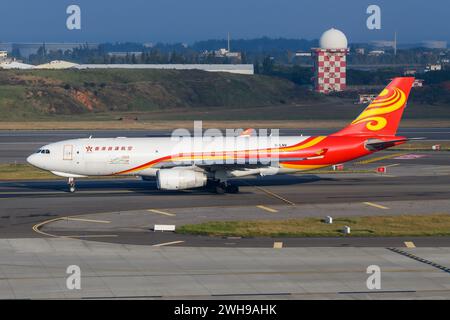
(68, 152)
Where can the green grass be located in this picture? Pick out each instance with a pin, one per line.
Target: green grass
(23, 171)
(372, 226)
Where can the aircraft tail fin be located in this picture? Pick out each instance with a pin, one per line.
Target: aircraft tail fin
(383, 115)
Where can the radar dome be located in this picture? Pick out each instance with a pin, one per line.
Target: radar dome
(333, 39)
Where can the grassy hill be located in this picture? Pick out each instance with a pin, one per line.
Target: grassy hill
(161, 95)
(44, 94)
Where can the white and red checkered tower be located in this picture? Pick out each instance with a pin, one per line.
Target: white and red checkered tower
(330, 62)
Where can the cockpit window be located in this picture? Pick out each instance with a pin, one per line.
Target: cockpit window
(46, 151)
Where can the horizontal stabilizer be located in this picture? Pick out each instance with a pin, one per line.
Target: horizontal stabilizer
(377, 145)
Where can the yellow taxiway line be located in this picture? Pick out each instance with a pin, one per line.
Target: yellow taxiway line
(410, 244)
(392, 165)
(166, 243)
(37, 228)
(164, 213)
(379, 206)
(88, 220)
(278, 245)
(90, 236)
(270, 193)
(389, 156)
(267, 209)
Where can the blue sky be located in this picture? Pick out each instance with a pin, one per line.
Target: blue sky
(192, 20)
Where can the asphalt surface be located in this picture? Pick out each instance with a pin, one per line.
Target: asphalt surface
(106, 230)
(15, 146)
(37, 269)
(423, 178)
(27, 203)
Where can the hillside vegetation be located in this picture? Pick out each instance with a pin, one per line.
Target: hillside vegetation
(173, 95)
(42, 94)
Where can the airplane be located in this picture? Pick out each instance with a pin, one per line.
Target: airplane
(212, 165)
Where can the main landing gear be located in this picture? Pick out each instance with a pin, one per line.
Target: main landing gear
(222, 187)
(71, 184)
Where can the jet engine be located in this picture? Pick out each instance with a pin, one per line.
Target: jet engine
(179, 179)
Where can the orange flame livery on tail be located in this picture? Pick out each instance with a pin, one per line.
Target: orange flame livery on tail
(383, 115)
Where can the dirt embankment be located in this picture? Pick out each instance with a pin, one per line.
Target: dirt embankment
(39, 94)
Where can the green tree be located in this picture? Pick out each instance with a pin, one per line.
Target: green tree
(268, 65)
(256, 66)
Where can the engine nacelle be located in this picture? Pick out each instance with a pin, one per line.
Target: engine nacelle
(178, 179)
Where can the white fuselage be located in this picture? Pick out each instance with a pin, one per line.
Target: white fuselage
(124, 156)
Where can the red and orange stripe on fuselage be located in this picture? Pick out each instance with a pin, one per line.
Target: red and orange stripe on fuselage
(339, 149)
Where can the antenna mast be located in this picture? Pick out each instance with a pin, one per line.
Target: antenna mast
(395, 43)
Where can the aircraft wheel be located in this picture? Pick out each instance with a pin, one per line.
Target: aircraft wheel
(71, 183)
(232, 189)
(220, 188)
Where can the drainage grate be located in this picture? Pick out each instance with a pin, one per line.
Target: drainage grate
(414, 257)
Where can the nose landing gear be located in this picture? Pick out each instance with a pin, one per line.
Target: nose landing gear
(71, 184)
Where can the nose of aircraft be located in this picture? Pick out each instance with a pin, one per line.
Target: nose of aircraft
(32, 159)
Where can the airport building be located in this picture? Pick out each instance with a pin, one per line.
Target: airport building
(15, 65)
(230, 68)
(247, 69)
(56, 64)
(330, 62)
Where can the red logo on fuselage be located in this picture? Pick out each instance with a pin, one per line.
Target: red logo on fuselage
(110, 148)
